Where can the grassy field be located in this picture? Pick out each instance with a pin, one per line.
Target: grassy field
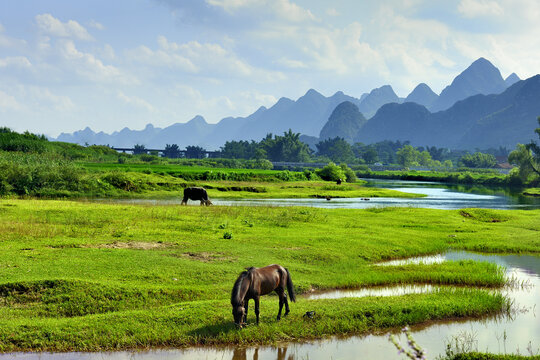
(89, 276)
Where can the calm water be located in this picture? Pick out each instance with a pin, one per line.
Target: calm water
(439, 196)
(500, 334)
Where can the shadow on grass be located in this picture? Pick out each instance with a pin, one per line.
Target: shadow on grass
(214, 330)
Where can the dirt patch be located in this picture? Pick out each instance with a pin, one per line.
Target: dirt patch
(138, 245)
(484, 215)
(206, 256)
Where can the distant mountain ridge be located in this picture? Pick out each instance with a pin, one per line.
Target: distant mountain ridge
(423, 95)
(344, 122)
(481, 77)
(480, 121)
(308, 114)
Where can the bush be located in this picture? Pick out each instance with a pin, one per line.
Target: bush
(350, 176)
(28, 174)
(331, 172)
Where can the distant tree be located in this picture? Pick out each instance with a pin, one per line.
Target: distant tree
(478, 160)
(239, 149)
(285, 148)
(424, 158)
(448, 164)
(370, 154)
(407, 156)
(535, 151)
(195, 152)
(523, 158)
(350, 176)
(337, 149)
(527, 157)
(139, 149)
(436, 153)
(172, 151)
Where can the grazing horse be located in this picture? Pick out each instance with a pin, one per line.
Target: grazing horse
(196, 193)
(253, 283)
(339, 181)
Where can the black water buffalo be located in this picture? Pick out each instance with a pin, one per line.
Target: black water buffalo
(196, 193)
(339, 181)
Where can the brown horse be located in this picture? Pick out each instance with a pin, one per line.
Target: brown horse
(253, 283)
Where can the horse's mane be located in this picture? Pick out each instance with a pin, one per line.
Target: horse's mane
(235, 294)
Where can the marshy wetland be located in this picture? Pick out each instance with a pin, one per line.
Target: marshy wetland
(94, 276)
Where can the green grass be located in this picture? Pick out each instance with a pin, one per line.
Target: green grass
(52, 176)
(484, 356)
(91, 276)
(532, 192)
(490, 178)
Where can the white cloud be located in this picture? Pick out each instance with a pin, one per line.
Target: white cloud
(477, 8)
(8, 102)
(7, 41)
(50, 25)
(15, 61)
(332, 12)
(208, 60)
(281, 9)
(96, 25)
(108, 52)
(136, 101)
(44, 96)
(92, 68)
(143, 54)
(292, 64)
(255, 97)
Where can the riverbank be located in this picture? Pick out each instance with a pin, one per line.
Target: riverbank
(87, 276)
(534, 192)
(51, 176)
(462, 177)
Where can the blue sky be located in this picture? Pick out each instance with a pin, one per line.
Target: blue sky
(66, 64)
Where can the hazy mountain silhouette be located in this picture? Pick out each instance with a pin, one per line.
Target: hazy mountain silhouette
(344, 122)
(481, 77)
(423, 95)
(371, 102)
(480, 121)
(309, 114)
(511, 79)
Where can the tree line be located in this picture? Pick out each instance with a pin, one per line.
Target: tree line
(290, 148)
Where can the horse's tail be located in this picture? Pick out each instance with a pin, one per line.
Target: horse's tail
(290, 288)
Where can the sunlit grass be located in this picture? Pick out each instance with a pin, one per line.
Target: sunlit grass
(74, 274)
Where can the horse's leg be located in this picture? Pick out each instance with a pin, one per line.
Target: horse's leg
(281, 294)
(256, 299)
(246, 303)
(286, 305)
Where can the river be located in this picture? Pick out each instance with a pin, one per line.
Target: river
(438, 196)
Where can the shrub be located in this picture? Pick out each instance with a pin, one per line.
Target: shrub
(350, 176)
(331, 172)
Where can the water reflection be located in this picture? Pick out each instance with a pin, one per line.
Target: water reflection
(374, 291)
(245, 354)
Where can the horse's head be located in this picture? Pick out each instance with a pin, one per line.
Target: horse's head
(238, 314)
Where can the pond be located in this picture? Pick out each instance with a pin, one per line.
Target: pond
(439, 196)
(519, 331)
